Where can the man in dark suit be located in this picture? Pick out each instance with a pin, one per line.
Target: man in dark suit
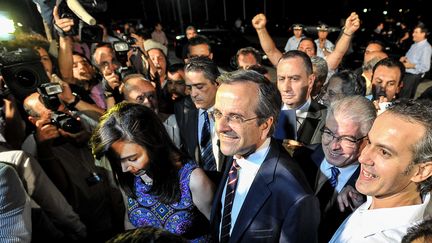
(192, 116)
(263, 195)
(295, 81)
(332, 167)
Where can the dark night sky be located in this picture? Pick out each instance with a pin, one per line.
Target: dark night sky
(278, 11)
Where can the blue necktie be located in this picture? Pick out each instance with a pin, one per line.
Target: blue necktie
(334, 176)
(208, 160)
(229, 199)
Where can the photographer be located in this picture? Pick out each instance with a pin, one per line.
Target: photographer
(76, 72)
(387, 76)
(66, 158)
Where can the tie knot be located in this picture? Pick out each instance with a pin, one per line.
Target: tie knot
(235, 165)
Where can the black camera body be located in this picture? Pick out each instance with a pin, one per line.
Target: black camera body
(22, 71)
(49, 96)
(65, 122)
(378, 91)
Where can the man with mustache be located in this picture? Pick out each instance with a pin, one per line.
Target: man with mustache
(395, 174)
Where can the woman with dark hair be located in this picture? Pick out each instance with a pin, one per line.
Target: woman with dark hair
(165, 189)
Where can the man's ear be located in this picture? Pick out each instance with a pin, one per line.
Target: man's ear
(265, 126)
(423, 173)
(32, 119)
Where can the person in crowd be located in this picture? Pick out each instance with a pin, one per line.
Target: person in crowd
(247, 56)
(261, 177)
(199, 46)
(159, 35)
(352, 24)
(15, 210)
(176, 85)
(105, 60)
(420, 233)
(342, 84)
(395, 174)
(63, 153)
(53, 219)
(196, 129)
(325, 46)
(417, 61)
(191, 32)
(320, 70)
(387, 76)
(366, 70)
(165, 189)
(332, 167)
(137, 89)
(295, 80)
(293, 41)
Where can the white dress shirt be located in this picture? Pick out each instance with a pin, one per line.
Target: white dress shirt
(246, 174)
(381, 225)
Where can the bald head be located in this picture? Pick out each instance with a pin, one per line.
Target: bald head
(139, 90)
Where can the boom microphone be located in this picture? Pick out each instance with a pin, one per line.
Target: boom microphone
(77, 9)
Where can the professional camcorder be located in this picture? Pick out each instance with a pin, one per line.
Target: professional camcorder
(49, 97)
(22, 71)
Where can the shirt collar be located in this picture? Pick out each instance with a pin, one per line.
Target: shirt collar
(201, 111)
(256, 158)
(303, 108)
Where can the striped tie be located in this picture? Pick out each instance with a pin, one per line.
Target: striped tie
(208, 160)
(229, 199)
(334, 176)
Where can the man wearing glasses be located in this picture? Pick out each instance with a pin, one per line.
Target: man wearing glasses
(332, 167)
(137, 89)
(263, 195)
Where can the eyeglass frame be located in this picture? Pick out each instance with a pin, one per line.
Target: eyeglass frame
(339, 139)
(229, 118)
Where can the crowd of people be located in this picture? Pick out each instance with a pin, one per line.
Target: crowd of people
(126, 146)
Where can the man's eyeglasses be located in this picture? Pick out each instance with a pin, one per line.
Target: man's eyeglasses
(147, 95)
(344, 140)
(233, 119)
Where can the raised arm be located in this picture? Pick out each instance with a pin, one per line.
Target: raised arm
(65, 59)
(352, 24)
(259, 23)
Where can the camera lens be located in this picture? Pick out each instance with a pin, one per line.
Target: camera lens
(26, 78)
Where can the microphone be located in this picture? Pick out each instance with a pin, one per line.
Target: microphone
(77, 9)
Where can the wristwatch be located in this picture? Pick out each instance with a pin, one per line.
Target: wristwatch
(71, 106)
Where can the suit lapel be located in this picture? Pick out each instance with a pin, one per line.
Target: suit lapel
(258, 193)
(310, 124)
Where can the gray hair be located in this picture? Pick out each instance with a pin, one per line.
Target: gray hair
(355, 108)
(320, 68)
(269, 98)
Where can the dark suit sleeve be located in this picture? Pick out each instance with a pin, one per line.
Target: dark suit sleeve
(301, 221)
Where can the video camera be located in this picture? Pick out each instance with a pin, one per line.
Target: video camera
(121, 48)
(49, 97)
(22, 71)
(84, 24)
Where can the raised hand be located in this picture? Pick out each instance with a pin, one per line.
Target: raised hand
(259, 21)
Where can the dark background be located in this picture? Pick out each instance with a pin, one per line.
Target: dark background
(175, 14)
